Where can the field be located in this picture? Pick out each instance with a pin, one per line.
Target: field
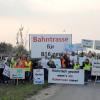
(19, 92)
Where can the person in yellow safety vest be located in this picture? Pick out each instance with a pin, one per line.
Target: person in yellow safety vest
(76, 66)
(28, 65)
(87, 70)
(13, 63)
(28, 69)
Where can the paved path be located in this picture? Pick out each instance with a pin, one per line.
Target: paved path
(74, 92)
(70, 92)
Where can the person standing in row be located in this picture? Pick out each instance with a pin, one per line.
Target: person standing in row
(87, 70)
(65, 62)
(28, 69)
(76, 65)
(13, 62)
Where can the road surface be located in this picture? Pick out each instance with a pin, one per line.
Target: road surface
(78, 92)
(69, 92)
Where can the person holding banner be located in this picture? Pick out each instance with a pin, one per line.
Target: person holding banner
(28, 69)
(6, 72)
(62, 62)
(87, 70)
(65, 61)
(20, 64)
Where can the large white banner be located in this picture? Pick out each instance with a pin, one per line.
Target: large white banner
(96, 67)
(17, 73)
(66, 76)
(87, 43)
(97, 45)
(48, 44)
(38, 76)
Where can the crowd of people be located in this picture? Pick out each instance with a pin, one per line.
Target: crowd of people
(66, 62)
(21, 62)
(71, 64)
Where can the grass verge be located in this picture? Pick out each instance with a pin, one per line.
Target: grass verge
(20, 92)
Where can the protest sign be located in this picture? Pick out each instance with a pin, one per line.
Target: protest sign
(97, 45)
(87, 43)
(70, 48)
(17, 73)
(48, 44)
(79, 47)
(6, 71)
(38, 76)
(74, 47)
(96, 67)
(66, 76)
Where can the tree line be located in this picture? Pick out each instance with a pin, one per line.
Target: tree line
(10, 50)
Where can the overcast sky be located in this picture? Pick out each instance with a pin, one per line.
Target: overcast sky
(81, 18)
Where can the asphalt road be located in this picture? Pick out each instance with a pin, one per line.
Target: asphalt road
(77, 92)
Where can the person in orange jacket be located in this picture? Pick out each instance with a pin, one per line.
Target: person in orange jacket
(20, 63)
